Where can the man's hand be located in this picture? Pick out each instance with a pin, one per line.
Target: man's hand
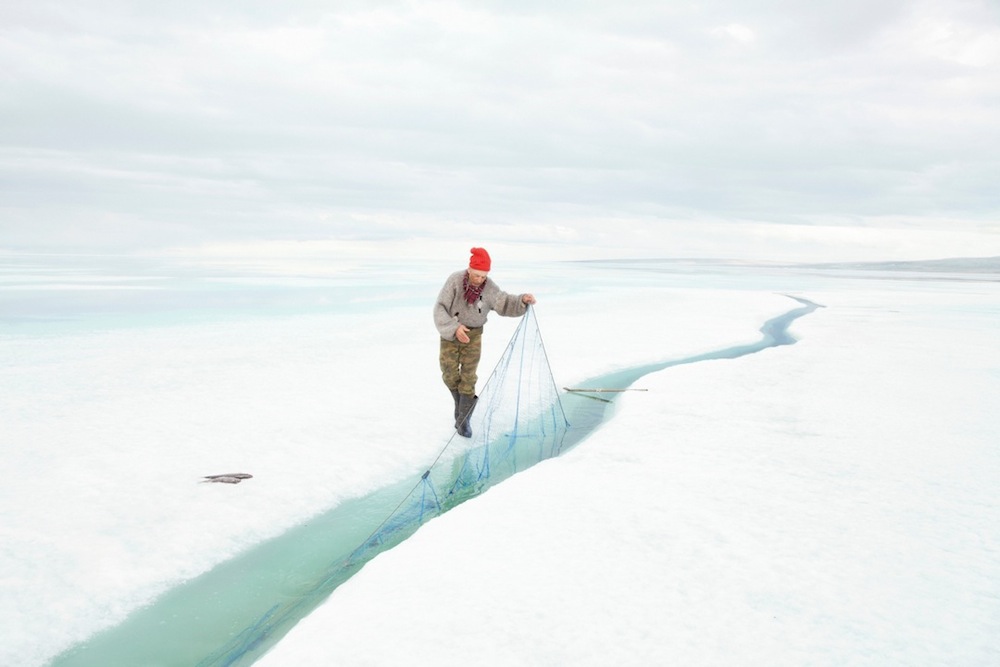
(462, 333)
(528, 299)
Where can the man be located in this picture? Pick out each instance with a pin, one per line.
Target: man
(459, 315)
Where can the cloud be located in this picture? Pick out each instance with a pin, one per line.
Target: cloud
(127, 125)
(735, 31)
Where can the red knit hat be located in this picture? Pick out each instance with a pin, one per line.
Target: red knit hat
(480, 260)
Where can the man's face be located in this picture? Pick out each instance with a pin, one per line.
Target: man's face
(477, 278)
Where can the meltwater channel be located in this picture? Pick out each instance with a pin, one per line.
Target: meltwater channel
(232, 614)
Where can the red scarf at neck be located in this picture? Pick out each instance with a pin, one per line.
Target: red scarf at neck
(472, 293)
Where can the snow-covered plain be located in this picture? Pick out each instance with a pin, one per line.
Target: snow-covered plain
(832, 502)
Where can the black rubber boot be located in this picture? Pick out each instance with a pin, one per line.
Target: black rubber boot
(466, 404)
(455, 395)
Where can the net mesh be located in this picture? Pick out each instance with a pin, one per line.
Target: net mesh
(518, 421)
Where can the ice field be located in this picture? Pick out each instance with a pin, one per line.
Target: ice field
(830, 502)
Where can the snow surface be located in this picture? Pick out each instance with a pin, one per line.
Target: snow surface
(832, 502)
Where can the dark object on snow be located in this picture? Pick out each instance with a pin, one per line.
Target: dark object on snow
(231, 478)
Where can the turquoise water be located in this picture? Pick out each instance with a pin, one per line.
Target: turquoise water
(232, 614)
(51, 295)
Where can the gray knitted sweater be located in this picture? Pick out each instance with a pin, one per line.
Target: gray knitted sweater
(452, 309)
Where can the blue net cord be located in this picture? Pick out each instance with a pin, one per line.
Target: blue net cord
(518, 421)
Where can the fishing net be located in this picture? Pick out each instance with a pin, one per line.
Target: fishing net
(518, 421)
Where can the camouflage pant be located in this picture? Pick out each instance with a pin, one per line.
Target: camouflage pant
(459, 362)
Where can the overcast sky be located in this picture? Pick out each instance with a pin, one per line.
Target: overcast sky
(764, 128)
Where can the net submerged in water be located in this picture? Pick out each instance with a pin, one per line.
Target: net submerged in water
(517, 422)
